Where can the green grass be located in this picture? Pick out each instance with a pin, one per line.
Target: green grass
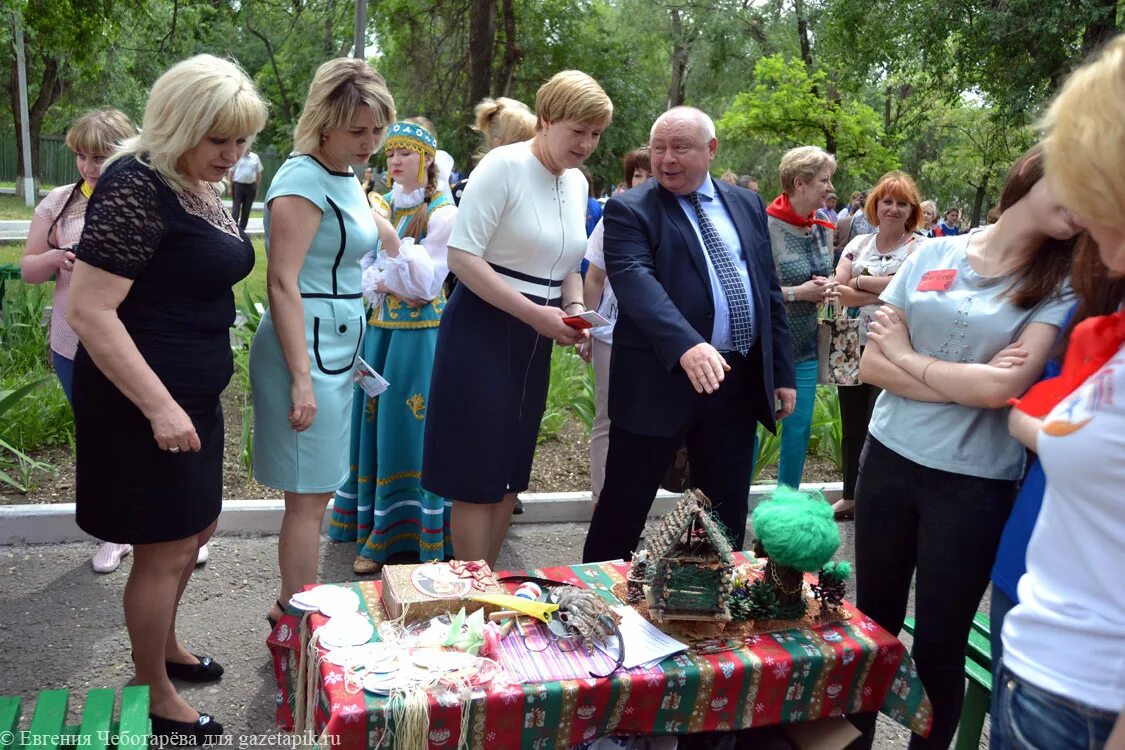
(255, 282)
(12, 207)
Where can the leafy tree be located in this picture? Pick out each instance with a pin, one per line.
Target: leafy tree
(62, 42)
(787, 106)
(979, 146)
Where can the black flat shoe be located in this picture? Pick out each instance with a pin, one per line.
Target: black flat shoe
(273, 621)
(517, 509)
(207, 670)
(177, 733)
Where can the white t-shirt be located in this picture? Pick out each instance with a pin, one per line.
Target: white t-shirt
(607, 306)
(529, 224)
(972, 321)
(1067, 634)
(247, 169)
(863, 252)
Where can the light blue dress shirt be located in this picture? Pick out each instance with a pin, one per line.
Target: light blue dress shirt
(717, 213)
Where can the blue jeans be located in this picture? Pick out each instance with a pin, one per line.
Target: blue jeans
(1001, 605)
(796, 428)
(64, 369)
(1034, 719)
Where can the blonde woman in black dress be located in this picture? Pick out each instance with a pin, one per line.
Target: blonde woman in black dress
(151, 302)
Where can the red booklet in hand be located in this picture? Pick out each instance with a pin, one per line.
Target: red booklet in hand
(584, 320)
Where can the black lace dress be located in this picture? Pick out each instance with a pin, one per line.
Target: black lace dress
(183, 253)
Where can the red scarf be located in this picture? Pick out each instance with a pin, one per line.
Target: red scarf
(782, 209)
(1092, 343)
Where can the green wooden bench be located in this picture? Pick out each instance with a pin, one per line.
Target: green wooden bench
(978, 671)
(98, 731)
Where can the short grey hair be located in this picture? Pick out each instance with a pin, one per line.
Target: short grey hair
(701, 119)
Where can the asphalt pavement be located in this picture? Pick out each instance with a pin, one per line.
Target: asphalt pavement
(61, 624)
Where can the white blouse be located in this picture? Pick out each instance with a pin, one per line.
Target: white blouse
(420, 268)
(528, 224)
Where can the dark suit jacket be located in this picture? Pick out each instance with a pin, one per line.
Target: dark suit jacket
(657, 267)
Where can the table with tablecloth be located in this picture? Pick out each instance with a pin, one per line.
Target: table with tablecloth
(783, 677)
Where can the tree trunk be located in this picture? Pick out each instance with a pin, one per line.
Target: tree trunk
(803, 34)
(788, 583)
(482, 44)
(978, 201)
(679, 61)
(286, 107)
(513, 55)
(887, 92)
(51, 87)
(1101, 29)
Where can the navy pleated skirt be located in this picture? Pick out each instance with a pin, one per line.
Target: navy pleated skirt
(487, 397)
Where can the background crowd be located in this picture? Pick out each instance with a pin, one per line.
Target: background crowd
(456, 292)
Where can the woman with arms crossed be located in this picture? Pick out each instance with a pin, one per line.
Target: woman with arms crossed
(968, 323)
(151, 301)
(867, 265)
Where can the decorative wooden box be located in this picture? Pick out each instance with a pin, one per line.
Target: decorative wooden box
(424, 591)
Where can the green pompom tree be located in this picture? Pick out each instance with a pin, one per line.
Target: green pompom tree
(798, 533)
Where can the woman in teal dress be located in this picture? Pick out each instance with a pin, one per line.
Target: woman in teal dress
(382, 507)
(318, 226)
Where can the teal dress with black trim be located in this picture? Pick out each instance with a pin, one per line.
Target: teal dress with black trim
(382, 506)
(315, 460)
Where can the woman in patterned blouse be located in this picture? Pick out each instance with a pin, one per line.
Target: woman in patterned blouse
(802, 252)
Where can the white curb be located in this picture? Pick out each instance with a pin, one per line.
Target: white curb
(54, 523)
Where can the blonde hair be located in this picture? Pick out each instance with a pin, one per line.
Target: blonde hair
(504, 120)
(1085, 144)
(201, 95)
(339, 88)
(899, 185)
(572, 95)
(805, 162)
(99, 132)
(932, 208)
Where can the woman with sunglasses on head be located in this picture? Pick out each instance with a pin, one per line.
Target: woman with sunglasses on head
(382, 507)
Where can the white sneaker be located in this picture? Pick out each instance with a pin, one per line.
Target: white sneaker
(108, 557)
(203, 555)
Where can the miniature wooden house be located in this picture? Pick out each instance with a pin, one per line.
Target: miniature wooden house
(688, 564)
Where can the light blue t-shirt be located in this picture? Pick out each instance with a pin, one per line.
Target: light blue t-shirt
(970, 323)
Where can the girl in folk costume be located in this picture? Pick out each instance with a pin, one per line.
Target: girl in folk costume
(382, 507)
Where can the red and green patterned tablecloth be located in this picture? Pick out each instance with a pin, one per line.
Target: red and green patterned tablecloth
(790, 676)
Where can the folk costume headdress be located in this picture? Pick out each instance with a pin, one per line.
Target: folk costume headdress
(415, 138)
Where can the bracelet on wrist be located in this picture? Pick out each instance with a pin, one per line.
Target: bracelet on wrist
(569, 305)
(927, 367)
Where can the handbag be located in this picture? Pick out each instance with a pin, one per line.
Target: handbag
(677, 477)
(837, 348)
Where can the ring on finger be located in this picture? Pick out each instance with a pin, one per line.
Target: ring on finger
(174, 449)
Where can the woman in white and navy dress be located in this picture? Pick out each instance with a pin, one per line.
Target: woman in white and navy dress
(517, 242)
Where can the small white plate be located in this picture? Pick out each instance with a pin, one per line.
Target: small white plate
(331, 600)
(346, 630)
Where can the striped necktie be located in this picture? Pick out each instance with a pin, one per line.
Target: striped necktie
(723, 260)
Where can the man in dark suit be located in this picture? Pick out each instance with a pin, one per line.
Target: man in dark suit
(701, 348)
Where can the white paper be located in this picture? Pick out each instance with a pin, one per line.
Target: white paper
(370, 381)
(647, 645)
